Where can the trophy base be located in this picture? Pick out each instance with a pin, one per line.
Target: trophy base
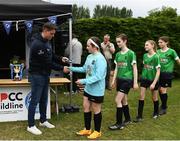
(17, 79)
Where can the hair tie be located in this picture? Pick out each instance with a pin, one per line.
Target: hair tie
(93, 43)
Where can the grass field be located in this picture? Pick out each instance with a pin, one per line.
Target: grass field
(166, 127)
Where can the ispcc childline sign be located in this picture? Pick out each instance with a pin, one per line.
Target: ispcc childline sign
(11, 100)
(14, 103)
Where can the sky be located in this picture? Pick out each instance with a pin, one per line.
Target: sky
(140, 8)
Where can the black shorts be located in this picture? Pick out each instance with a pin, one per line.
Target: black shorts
(165, 79)
(95, 99)
(123, 85)
(146, 83)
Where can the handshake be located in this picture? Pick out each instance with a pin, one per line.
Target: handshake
(66, 68)
(81, 86)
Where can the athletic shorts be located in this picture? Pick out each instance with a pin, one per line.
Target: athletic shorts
(146, 83)
(165, 79)
(95, 99)
(123, 85)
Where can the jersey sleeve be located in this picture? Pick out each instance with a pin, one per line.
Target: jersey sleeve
(133, 58)
(157, 62)
(175, 56)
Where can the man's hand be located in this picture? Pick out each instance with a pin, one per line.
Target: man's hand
(65, 59)
(66, 69)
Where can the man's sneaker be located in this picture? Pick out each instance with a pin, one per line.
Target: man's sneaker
(126, 122)
(34, 130)
(94, 135)
(116, 126)
(84, 132)
(162, 112)
(46, 124)
(138, 119)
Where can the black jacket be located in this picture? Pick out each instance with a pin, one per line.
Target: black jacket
(42, 59)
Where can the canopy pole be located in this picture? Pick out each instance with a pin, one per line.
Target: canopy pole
(71, 74)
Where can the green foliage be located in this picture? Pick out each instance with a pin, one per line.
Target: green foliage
(167, 12)
(109, 11)
(80, 12)
(16, 60)
(104, 11)
(138, 30)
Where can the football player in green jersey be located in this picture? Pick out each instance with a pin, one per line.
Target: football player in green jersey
(126, 78)
(149, 78)
(167, 58)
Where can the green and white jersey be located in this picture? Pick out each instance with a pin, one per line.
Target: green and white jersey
(124, 63)
(151, 63)
(167, 59)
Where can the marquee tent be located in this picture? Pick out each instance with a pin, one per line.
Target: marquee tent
(19, 11)
(31, 9)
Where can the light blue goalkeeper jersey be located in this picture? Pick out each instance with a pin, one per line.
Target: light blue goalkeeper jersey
(95, 68)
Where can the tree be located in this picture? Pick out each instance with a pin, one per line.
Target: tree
(80, 12)
(126, 13)
(110, 11)
(97, 11)
(164, 12)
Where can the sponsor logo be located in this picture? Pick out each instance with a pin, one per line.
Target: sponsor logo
(28, 100)
(122, 64)
(163, 60)
(149, 67)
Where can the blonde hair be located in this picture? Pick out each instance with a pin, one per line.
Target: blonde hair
(153, 43)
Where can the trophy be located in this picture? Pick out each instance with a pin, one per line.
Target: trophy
(17, 70)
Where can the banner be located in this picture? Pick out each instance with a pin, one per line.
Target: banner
(29, 25)
(7, 26)
(52, 19)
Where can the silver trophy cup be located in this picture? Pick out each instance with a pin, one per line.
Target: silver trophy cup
(17, 70)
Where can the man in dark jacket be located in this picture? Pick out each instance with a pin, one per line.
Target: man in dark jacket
(41, 61)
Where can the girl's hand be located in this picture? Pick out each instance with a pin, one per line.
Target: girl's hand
(135, 86)
(152, 86)
(112, 85)
(78, 82)
(81, 86)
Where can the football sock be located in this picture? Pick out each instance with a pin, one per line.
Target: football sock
(87, 120)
